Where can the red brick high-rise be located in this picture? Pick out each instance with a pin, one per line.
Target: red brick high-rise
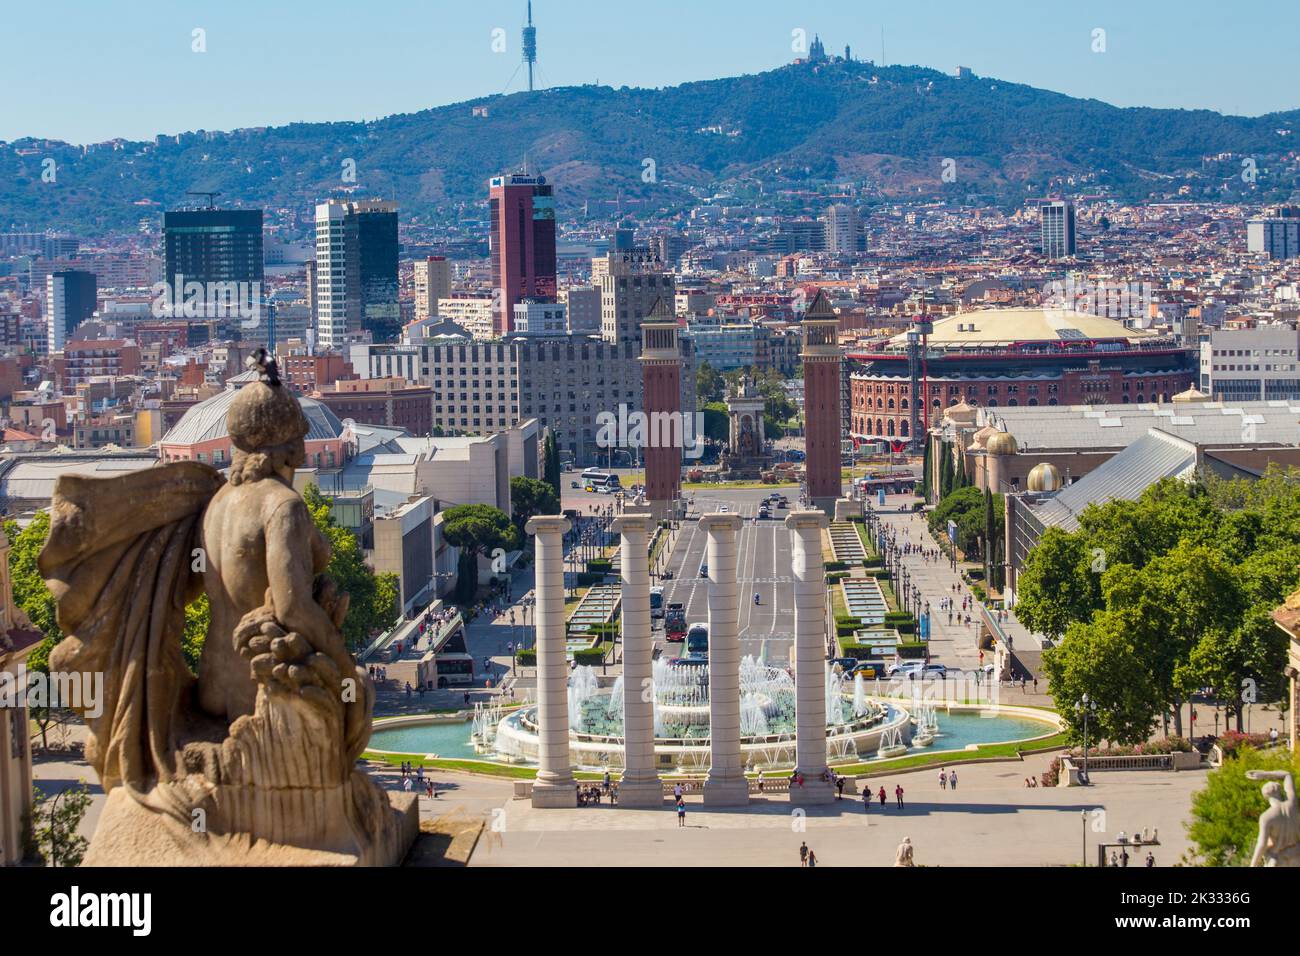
(821, 403)
(661, 385)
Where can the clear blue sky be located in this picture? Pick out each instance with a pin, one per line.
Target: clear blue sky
(89, 70)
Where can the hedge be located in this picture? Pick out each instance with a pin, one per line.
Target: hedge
(836, 576)
(911, 650)
(600, 566)
(592, 655)
(836, 565)
(588, 578)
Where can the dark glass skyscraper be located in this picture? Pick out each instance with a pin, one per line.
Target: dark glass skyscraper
(212, 245)
(377, 248)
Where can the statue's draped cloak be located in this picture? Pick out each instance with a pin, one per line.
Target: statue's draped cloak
(122, 564)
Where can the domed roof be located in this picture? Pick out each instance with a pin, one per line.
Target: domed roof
(1044, 477)
(1003, 443)
(981, 439)
(206, 421)
(961, 413)
(982, 328)
(1192, 394)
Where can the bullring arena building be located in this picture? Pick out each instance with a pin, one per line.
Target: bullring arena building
(1011, 357)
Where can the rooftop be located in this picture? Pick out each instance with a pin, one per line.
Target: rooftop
(996, 327)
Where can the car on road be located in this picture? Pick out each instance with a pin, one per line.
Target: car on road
(704, 570)
(688, 661)
(905, 669)
(723, 509)
(783, 502)
(657, 602)
(845, 664)
(764, 512)
(574, 484)
(868, 669)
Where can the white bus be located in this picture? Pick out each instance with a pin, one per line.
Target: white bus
(593, 479)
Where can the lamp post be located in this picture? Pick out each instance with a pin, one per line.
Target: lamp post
(1083, 816)
(1086, 706)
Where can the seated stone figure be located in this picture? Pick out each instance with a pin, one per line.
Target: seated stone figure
(253, 761)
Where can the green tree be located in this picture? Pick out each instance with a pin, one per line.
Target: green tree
(709, 383)
(51, 826)
(1057, 586)
(551, 462)
(1225, 815)
(529, 497)
(374, 598)
(476, 530)
(945, 470)
(717, 424)
(1098, 658)
(33, 598)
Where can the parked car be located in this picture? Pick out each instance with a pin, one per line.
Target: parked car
(845, 664)
(905, 669)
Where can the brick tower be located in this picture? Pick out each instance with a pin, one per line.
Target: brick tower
(661, 388)
(821, 403)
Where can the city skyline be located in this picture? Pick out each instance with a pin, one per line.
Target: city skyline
(1144, 57)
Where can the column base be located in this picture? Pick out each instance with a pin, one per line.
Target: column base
(551, 794)
(641, 793)
(826, 505)
(813, 792)
(726, 791)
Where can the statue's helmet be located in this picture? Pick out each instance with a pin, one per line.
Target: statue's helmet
(265, 415)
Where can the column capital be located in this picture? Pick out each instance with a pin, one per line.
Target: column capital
(543, 524)
(722, 521)
(643, 523)
(806, 520)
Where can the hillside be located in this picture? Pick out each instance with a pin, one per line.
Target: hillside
(785, 128)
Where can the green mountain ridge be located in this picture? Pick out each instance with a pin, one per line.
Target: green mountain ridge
(755, 135)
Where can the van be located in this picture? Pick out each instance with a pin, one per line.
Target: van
(697, 640)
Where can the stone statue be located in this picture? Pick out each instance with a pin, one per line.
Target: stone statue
(903, 856)
(253, 761)
(1279, 825)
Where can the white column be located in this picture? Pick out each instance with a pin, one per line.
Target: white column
(809, 657)
(555, 785)
(726, 784)
(639, 785)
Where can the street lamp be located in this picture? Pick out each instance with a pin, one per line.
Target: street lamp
(1086, 706)
(1083, 815)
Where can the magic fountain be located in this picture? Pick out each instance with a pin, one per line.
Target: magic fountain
(855, 723)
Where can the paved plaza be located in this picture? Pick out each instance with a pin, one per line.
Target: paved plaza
(992, 819)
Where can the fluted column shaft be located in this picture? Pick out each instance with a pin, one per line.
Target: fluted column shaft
(555, 785)
(640, 785)
(726, 784)
(809, 656)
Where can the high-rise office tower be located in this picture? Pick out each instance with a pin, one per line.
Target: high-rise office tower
(522, 210)
(661, 391)
(356, 271)
(69, 301)
(844, 236)
(381, 314)
(631, 280)
(821, 403)
(212, 245)
(1058, 229)
(1278, 237)
(432, 282)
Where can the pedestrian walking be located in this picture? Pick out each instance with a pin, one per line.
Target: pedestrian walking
(803, 854)
(952, 779)
(898, 795)
(812, 858)
(883, 797)
(839, 787)
(681, 812)
(866, 800)
(943, 779)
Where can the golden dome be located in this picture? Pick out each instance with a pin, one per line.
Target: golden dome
(1192, 394)
(981, 439)
(1002, 443)
(961, 413)
(1044, 477)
